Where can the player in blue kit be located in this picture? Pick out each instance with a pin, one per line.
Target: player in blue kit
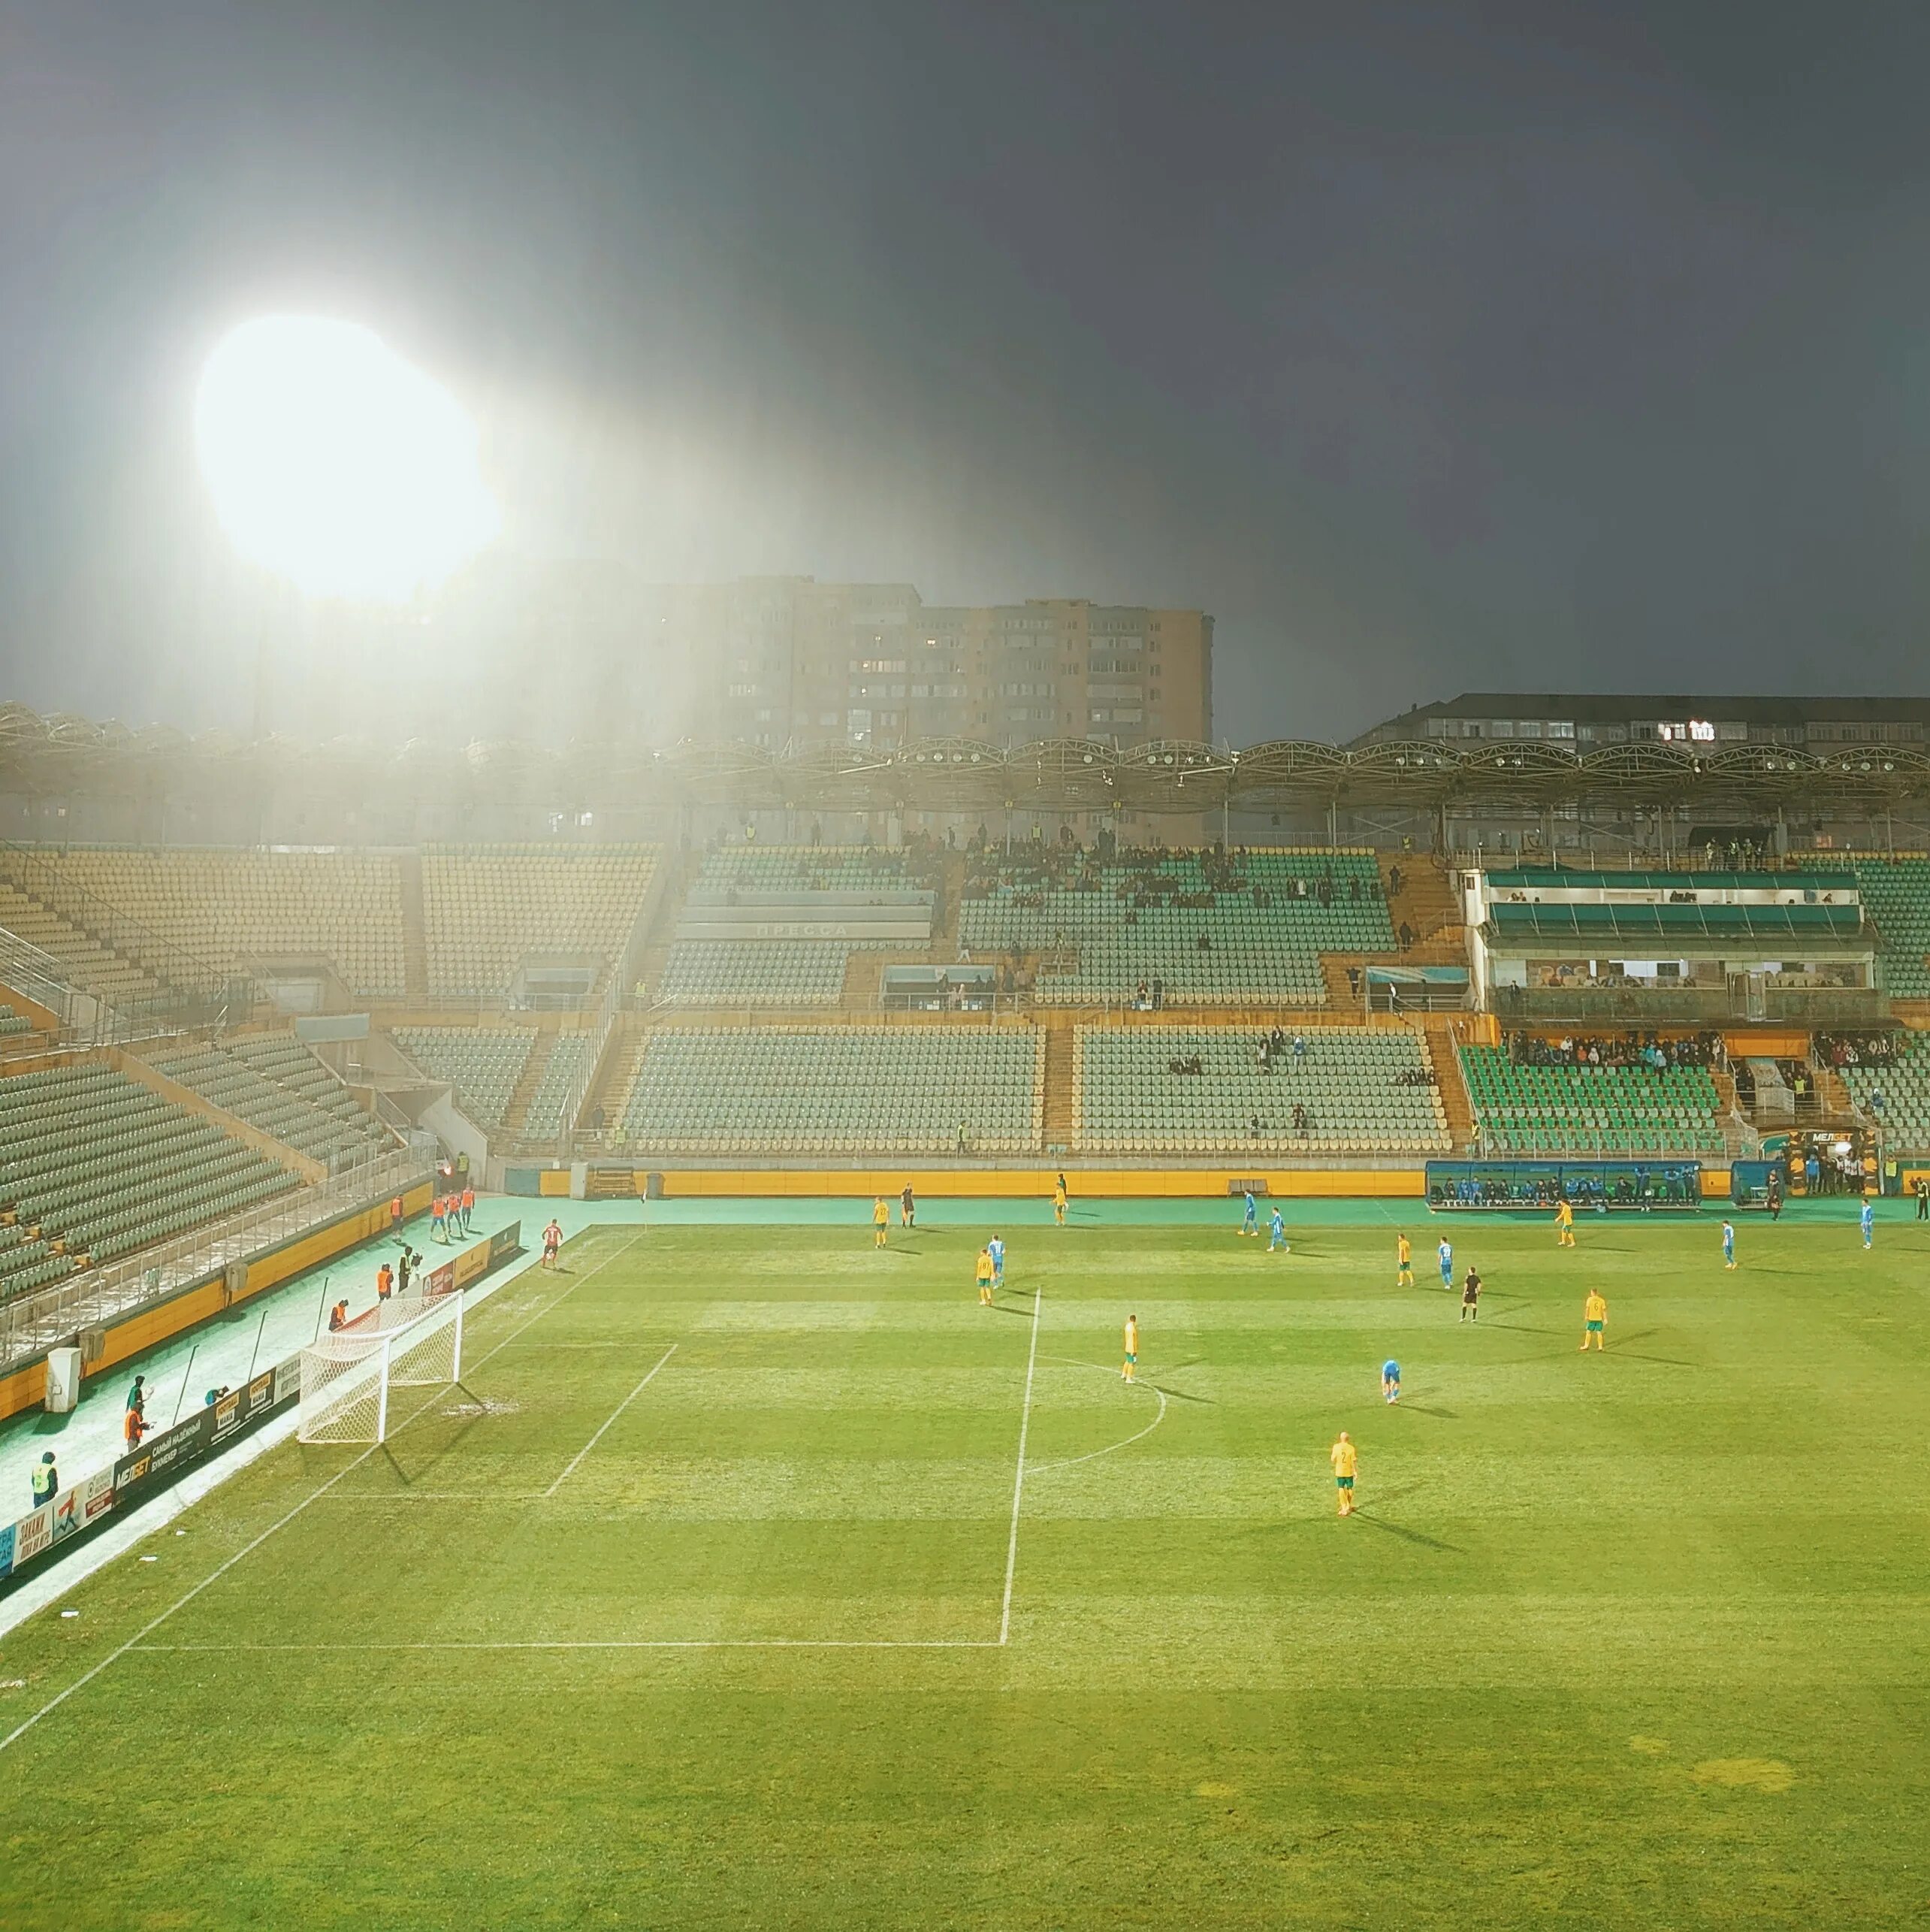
(1729, 1243)
(1277, 1236)
(1249, 1221)
(1446, 1252)
(1391, 1380)
(1868, 1218)
(996, 1249)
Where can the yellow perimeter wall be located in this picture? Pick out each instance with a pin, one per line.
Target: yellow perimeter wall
(27, 1386)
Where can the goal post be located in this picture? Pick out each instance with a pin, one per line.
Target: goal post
(408, 1341)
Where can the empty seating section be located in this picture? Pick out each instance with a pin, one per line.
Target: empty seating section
(486, 909)
(1357, 1091)
(94, 1164)
(232, 909)
(1247, 927)
(755, 972)
(784, 868)
(1905, 1084)
(273, 1085)
(800, 911)
(896, 1090)
(1529, 1110)
(482, 1063)
(569, 1060)
(1895, 894)
(84, 962)
(12, 1023)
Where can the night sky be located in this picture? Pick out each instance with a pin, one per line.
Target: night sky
(1430, 348)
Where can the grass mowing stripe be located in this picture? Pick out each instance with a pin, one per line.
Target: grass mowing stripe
(607, 1644)
(570, 1469)
(221, 1570)
(1019, 1477)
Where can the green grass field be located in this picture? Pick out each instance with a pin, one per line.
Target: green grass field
(1635, 1640)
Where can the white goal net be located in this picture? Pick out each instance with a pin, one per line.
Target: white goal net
(409, 1341)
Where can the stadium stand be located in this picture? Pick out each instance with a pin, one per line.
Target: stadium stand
(233, 909)
(1903, 1081)
(12, 1023)
(569, 1060)
(486, 909)
(755, 972)
(766, 1089)
(1202, 1090)
(775, 926)
(321, 1120)
(94, 1164)
(85, 961)
(1247, 927)
(1895, 894)
(1527, 1110)
(786, 869)
(482, 1063)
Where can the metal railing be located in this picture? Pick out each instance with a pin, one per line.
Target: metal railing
(190, 991)
(1693, 1006)
(1606, 1143)
(578, 1096)
(32, 1323)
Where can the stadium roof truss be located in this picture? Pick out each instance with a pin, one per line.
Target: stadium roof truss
(64, 754)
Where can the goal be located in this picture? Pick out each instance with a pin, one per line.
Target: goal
(409, 1341)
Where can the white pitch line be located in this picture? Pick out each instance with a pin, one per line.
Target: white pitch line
(248, 1550)
(1041, 1469)
(609, 1643)
(1019, 1478)
(571, 1469)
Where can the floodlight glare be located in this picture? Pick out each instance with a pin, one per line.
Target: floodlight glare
(336, 463)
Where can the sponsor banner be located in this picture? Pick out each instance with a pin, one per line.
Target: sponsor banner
(440, 1281)
(97, 1496)
(288, 1381)
(505, 1242)
(6, 1549)
(35, 1533)
(161, 1455)
(471, 1264)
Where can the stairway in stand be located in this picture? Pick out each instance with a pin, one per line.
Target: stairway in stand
(527, 1081)
(1429, 903)
(1441, 1030)
(1058, 1116)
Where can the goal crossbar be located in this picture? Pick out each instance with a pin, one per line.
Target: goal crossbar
(408, 1342)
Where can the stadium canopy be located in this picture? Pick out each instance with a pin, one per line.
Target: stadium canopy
(63, 755)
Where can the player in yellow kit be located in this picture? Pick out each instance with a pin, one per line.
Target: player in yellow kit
(880, 1221)
(1594, 1317)
(1564, 1225)
(1132, 1348)
(1059, 1201)
(1345, 1462)
(1403, 1250)
(985, 1277)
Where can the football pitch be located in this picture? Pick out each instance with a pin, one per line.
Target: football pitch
(753, 1576)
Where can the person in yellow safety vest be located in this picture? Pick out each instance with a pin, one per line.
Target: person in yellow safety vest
(46, 1481)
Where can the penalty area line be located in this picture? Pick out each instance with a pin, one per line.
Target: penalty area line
(138, 1639)
(570, 1470)
(1019, 1478)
